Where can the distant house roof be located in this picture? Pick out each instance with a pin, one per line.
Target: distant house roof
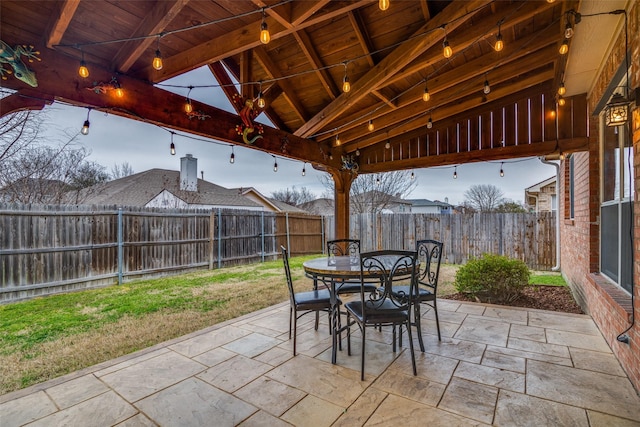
(272, 204)
(140, 188)
(427, 202)
(322, 206)
(535, 188)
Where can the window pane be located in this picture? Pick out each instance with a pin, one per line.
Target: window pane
(628, 175)
(610, 165)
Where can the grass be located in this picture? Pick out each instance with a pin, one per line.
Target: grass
(47, 337)
(547, 279)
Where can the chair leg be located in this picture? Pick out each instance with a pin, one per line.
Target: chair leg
(435, 309)
(413, 356)
(348, 335)
(418, 320)
(290, 319)
(362, 354)
(295, 331)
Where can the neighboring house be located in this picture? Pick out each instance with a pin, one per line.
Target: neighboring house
(161, 188)
(429, 206)
(322, 206)
(271, 205)
(541, 197)
(371, 200)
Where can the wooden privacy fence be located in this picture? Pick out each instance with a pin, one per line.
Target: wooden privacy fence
(529, 237)
(51, 249)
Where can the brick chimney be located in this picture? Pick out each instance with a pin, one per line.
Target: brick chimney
(189, 173)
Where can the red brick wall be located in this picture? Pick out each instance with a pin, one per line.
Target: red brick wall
(609, 306)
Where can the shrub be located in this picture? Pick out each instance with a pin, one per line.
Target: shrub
(493, 278)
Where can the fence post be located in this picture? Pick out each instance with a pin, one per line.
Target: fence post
(262, 232)
(219, 238)
(120, 246)
(322, 233)
(286, 218)
(212, 235)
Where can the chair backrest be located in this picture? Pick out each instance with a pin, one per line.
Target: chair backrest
(393, 268)
(287, 272)
(343, 247)
(429, 255)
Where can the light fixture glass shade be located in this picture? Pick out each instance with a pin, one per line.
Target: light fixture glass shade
(383, 4)
(617, 111)
(83, 71)
(85, 128)
(446, 49)
(499, 43)
(564, 47)
(157, 61)
(265, 37)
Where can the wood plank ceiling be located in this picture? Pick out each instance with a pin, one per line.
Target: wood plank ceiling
(389, 57)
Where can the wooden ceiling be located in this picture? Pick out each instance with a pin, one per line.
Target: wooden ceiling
(388, 56)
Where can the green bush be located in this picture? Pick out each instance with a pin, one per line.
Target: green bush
(493, 278)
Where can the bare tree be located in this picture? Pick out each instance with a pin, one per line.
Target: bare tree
(510, 206)
(121, 170)
(17, 131)
(293, 196)
(372, 193)
(483, 197)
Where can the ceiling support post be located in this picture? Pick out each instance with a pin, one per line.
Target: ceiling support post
(342, 184)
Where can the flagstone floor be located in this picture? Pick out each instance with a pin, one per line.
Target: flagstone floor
(494, 366)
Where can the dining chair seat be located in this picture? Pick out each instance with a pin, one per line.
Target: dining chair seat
(388, 313)
(312, 300)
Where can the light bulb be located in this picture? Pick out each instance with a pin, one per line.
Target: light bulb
(387, 145)
(562, 156)
(564, 47)
(455, 172)
(83, 70)
(561, 101)
(501, 170)
(561, 89)
(338, 142)
(383, 4)
(413, 176)
(157, 61)
(370, 126)
(357, 152)
(172, 147)
(568, 31)
(85, 128)
(346, 86)
(304, 171)
(446, 49)
(232, 158)
(429, 123)
(486, 89)
(425, 95)
(265, 37)
(499, 43)
(119, 92)
(261, 101)
(275, 166)
(187, 106)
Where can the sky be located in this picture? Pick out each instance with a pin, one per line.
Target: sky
(114, 140)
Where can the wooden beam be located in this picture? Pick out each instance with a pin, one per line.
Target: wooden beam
(61, 21)
(453, 16)
(226, 84)
(144, 102)
(237, 41)
(14, 103)
(160, 15)
(316, 63)
(361, 34)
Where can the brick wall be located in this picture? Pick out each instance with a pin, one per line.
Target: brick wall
(609, 305)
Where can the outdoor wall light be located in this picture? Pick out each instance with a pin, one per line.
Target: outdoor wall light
(617, 111)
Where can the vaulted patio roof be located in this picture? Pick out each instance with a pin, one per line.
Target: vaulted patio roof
(390, 58)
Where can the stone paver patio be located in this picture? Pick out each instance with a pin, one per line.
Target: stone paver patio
(495, 365)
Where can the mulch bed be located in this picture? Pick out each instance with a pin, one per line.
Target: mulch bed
(553, 298)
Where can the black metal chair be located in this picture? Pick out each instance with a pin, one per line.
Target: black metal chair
(350, 248)
(429, 255)
(304, 302)
(386, 306)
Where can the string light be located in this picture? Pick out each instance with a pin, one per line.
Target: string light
(157, 60)
(346, 86)
(561, 101)
(370, 126)
(425, 95)
(564, 47)
(387, 145)
(172, 147)
(561, 156)
(83, 70)
(304, 171)
(232, 158)
(275, 164)
(413, 176)
(378, 180)
(338, 142)
(446, 49)
(265, 37)
(486, 89)
(85, 126)
(383, 4)
(117, 88)
(429, 122)
(261, 101)
(499, 45)
(455, 172)
(501, 170)
(187, 105)
(561, 89)
(568, 30)
(357, 152)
